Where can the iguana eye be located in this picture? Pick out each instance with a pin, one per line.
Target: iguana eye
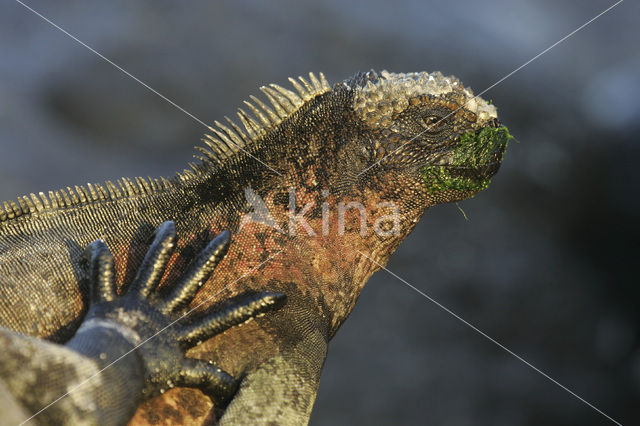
(432, 122)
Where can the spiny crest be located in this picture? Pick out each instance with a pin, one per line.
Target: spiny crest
(225, 141)
(80, 195)
(387, 93)
(228, 139)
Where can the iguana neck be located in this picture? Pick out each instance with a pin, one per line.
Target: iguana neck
(319, 257)
(319, 268)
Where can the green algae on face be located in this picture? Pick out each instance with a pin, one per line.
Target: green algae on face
(474, 162)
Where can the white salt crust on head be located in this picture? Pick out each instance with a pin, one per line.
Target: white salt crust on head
(391, 93)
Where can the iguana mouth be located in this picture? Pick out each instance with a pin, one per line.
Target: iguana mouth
(486, 171)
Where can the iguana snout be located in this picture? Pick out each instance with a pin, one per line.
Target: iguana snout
(469, 165)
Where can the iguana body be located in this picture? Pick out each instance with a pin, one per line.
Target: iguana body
(421, 139)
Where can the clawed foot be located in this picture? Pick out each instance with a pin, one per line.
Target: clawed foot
(155, 323)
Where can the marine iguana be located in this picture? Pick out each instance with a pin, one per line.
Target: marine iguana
(365, 158)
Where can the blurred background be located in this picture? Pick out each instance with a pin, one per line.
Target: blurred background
(545, 263)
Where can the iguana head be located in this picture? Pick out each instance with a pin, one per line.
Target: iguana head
(429, 129)
(422, 139)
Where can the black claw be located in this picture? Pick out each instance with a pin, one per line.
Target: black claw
(242, 309)
(156, 259)
(181, 294)
(216, 383)
(101, 272)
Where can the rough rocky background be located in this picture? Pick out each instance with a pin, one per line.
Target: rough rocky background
(545, 264)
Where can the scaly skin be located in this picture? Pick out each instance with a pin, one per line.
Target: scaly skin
(412, 140)
(105, 371)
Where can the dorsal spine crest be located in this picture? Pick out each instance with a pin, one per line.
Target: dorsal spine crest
(219, 146)
(226, 142)
(80, 195)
